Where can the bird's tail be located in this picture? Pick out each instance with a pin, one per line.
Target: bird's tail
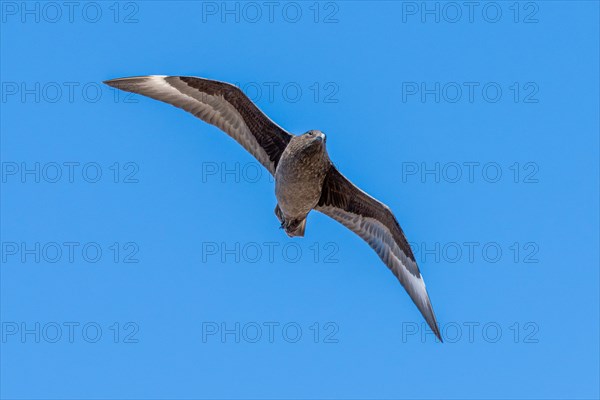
(293, 227)
(296, 229)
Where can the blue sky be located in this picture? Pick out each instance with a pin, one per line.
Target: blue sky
(140, 254)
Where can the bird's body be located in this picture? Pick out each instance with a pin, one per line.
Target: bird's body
(299, 180)
(305, 178)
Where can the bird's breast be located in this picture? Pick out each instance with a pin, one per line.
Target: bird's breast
(298, 185)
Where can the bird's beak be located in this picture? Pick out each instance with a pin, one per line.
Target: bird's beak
(321, 137)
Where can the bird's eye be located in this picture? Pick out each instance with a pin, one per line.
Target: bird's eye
(310, 133)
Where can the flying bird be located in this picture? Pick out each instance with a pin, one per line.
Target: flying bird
(305, 177)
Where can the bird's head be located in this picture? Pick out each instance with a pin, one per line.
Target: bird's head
(310, 144)
(315, 136)
(313, 139)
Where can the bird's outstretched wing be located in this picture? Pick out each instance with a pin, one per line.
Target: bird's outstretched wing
(220, 104)
(374, 222)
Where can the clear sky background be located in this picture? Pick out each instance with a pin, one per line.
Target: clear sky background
(166, 276)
